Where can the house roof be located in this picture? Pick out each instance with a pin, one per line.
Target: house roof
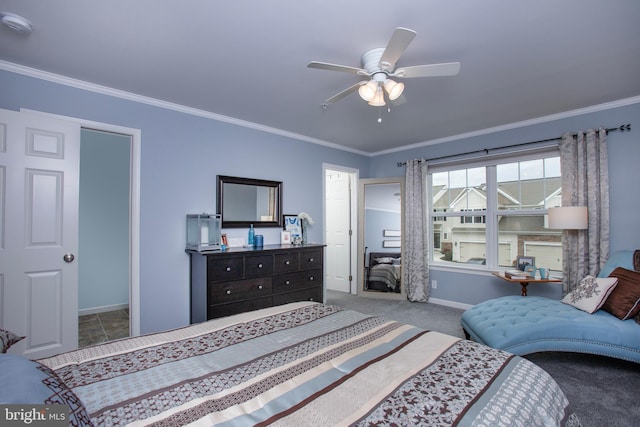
(245, 62)
(529, 194)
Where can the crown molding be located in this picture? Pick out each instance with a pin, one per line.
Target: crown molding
(535, 121)
(105, 90)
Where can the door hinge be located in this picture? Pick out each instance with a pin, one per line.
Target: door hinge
(350, 278)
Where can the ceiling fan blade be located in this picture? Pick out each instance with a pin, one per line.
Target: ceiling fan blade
(340, 95)
(337, 67)
(397, 45)
(429, 70)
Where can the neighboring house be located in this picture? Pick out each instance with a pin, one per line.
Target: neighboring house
(462, 239)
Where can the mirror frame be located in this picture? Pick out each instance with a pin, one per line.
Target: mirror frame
(362, 183)
(223, 179)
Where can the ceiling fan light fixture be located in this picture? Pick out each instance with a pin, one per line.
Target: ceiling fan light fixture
(368, 90)
(378, 99)
(394, 89)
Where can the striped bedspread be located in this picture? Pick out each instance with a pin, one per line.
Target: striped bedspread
(308, 364)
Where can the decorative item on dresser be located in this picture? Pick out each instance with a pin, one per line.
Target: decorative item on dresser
(246, 279)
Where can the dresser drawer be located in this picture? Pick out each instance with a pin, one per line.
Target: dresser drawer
(286, 262)
(239, 290)
(309, 294)
(287, 282)
(261, 265)
(224, 269)
(294, 281)
(221, 310)
(312, 278)
(311, 259)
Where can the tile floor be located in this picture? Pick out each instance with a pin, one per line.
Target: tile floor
(102, 327)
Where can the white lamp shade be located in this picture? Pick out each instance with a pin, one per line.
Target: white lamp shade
(378, 99)
(368, 91)
(394, 90)
(568, 218)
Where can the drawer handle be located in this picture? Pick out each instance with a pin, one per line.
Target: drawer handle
(228, 291)
(310, 259)
(260, 265)
(311, 278)
(287, 282)
(287, 262)
(228, 268)
(259, 286)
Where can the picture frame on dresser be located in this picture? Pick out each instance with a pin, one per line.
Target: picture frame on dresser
(291, 223)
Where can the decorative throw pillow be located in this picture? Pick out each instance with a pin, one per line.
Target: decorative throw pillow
(591, 293)
(7, 339)
(624, 301)
(24, 381)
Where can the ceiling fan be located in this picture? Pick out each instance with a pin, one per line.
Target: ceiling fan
(379, 65)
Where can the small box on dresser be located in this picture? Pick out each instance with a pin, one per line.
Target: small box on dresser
(245, 279)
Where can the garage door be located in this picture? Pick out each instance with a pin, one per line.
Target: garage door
(472, 250)
(546, 255)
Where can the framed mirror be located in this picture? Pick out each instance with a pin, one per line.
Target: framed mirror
(246, 201)
(380, 237)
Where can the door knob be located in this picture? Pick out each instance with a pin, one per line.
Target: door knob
(68, 257)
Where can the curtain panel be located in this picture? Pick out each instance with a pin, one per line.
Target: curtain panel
(585, 182)
(415, 253)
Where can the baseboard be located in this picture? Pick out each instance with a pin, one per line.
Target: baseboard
(448, 303)
(104, 308)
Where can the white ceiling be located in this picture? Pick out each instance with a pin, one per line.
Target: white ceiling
(247, 59)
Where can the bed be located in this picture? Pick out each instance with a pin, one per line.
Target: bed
(383, 273)
(299, 364)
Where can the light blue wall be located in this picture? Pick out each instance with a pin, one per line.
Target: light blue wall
(181, 156)
(376, 221)
(624, 175)
(103, 247)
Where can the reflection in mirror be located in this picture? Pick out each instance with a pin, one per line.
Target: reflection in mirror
(246, 201)
(380, 237)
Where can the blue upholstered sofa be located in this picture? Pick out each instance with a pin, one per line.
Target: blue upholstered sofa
(523, 325)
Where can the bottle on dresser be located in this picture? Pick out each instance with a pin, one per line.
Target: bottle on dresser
(251, 236)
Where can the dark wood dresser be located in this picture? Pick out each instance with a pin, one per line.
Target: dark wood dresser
(244, 279)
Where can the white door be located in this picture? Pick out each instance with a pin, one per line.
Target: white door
(338, 230)
(39, 162)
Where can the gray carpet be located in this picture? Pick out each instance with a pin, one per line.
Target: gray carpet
(602, 391)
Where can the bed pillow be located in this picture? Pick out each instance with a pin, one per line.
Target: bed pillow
(7, 339)
(624, 301)
(24, 381)
(384, 260)
(591, 293)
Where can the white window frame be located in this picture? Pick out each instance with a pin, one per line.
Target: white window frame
(490, 163)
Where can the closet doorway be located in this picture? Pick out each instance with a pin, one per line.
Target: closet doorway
(339, 221)
(104, 247)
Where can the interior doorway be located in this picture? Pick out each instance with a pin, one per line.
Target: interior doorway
(104, 236)
(340, 219)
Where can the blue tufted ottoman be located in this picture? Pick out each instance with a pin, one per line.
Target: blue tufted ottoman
(523, 325)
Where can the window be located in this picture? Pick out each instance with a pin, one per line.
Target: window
(487, 215)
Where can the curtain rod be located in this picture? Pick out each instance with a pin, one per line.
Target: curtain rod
(620, 128)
